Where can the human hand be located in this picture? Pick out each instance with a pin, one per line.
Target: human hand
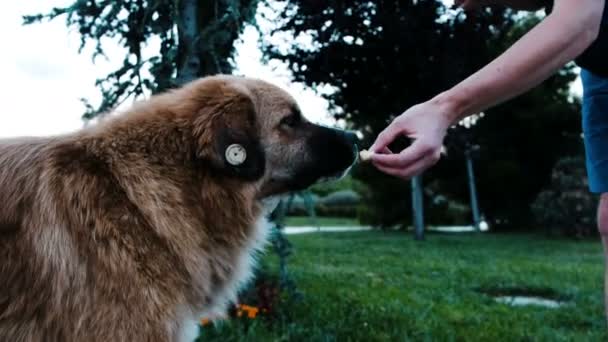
(426, 124)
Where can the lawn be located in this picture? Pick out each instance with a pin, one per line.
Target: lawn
(299, 221)
(374, 286)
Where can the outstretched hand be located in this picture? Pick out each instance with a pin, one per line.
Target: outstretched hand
(426, 124)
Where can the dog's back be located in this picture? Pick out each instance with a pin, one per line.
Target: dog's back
(54, 286)
(24, 279)
(19, 158)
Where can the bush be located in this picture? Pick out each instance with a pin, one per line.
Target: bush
(346, 183)
(342, 198)
(566, 206)
(341, 203)
(298, 205)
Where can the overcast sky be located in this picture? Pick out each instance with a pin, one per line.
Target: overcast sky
(43, 76)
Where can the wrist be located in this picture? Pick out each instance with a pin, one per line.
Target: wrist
(452, 107)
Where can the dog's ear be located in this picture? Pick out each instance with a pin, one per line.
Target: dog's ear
(227, 133)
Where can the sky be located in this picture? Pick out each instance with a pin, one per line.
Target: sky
(44, 77)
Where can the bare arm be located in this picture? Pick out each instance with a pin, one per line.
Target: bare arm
(562, 36)
(558, 39)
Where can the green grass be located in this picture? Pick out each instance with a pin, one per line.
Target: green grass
(299, 221)
(375, 286)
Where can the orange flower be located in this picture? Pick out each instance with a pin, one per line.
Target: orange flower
(251, 311)
(241, 309)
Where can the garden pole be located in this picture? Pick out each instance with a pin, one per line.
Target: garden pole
(472, 189)
(418, 207)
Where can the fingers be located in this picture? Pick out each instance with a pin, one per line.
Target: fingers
(406, 173)
(386, 150)
(410, 162)
(385, 138)
(418, 150)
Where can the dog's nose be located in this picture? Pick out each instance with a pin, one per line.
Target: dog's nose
(348, 136)
(351, 141)
(351, 138)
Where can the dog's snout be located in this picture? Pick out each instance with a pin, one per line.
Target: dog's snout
(350, 138)
(331, 153)
(336, 148)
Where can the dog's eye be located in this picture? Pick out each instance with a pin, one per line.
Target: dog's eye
(290, 121)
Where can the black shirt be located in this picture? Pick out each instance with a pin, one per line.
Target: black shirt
(595, 58)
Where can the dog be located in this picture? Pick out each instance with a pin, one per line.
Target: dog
(134, 228)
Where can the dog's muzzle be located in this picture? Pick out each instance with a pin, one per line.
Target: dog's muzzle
(350, 140)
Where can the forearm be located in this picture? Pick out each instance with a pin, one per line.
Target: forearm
(558, 39)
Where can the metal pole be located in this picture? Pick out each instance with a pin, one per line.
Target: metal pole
(418, 207)
(472, 190)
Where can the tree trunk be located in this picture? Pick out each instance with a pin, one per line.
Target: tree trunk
(472, 190)
(188, 28)
(418, 207)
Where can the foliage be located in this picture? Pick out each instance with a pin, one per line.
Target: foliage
(196, 38)
(376, 286)
(566, 206)
(283, 250)
(342, 198)
(346, 183)
(302, 203)
(329, 199)
(343, 203)
(304, 221)
(271, 295)
(385, 56)
(521, 141)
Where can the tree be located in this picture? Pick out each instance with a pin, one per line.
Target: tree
(384, 56)
(196, 39)
(521, 141)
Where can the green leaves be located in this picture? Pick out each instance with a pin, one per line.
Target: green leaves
(384, 56)
(135, 23)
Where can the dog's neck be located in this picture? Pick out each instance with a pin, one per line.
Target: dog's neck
(198, 214)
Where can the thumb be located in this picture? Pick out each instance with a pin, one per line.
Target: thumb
(385, 138)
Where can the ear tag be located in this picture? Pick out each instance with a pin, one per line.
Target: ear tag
(236, 154)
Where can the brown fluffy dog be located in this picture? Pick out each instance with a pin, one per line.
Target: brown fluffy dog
(132, 229)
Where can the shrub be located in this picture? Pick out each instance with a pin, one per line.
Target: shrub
(566, 206)
(342, 198)
(342, 203)
(346, 183)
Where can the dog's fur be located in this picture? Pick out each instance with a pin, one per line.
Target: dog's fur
(128, 230)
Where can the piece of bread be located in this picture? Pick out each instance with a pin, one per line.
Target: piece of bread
(365, 155)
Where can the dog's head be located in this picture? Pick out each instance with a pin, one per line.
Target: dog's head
(250, 130)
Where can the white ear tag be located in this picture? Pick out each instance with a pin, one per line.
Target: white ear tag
(236, 154)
